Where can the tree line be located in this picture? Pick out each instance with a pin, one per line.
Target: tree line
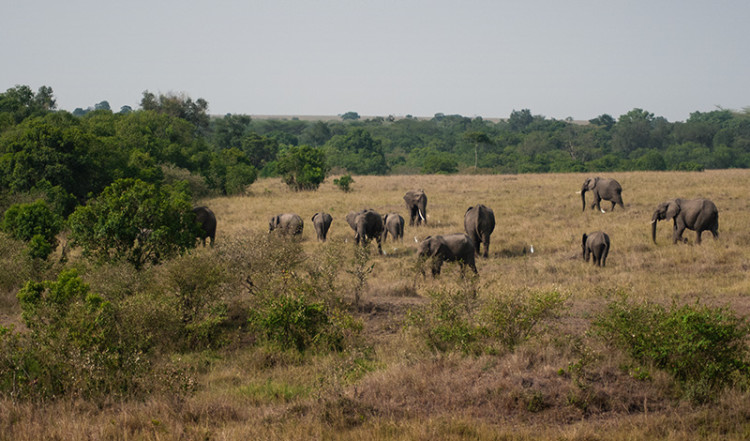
(71, 157)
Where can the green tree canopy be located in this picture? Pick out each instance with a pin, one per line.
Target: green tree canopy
(135, 221)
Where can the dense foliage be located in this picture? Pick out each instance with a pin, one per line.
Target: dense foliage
(69, 157)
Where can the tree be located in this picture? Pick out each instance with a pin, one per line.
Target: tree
(35, 224)
(303, 167)
(135, 221)
(350, 116)
(520, 119)
(358, 152)
(478, 138)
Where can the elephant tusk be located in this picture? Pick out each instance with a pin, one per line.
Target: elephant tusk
(578, 192)
(652, 222)
(602, 210)
(416, 240)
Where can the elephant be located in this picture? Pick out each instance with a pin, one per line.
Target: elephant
(456, 247)
(603, 189)
(479, 223)
(416, 203)
(394, 224)
(206, 221)
(287, 224)
(596, 245)
(367, 224)
(698, 215)
(322, 222)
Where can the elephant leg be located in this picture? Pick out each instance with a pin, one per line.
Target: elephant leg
(380, 248)
(698, 236)
(436, 264)
(678, 230)
(613, 206)
(486, 246)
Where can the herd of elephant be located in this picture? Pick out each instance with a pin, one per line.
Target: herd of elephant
(479, 222)
(698, 215)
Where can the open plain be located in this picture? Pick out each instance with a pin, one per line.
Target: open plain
(560, 381)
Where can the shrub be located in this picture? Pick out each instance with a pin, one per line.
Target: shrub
(293, 321)
(447, 322)
(135, 221)
(35, 224)
(344, 183)
(302, 167)
(703, 348)
(75, 346)
(513, 318)
(454, 321)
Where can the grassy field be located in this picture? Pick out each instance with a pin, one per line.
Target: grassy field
(560, 383)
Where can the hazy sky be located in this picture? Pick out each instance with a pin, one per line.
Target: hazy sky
(559, 59)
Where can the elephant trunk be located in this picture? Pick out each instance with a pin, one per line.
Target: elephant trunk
(583, 197)
(654, 219)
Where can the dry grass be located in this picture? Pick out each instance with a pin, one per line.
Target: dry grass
(398, 388)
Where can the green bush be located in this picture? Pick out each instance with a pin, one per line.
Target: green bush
(447, 323)
(344, 183)
(514, 318)
(135, 221)
(703, 348)
(454, 320)
(35, 224)
(293, 321)
(302, 167)
(74, 348)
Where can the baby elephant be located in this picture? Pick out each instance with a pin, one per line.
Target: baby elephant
(452, 248)
(597, 245)
(394, 224)
(322, 222)
(287, 224)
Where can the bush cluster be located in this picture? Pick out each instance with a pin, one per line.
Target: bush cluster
(457, 320)
(703, 348)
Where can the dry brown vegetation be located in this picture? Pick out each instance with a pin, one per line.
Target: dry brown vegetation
(562, 383)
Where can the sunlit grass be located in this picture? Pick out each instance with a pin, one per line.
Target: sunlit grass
(397, 388)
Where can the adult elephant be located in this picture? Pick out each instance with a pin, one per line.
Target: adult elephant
(287, 223)
(448, 248)
(367, 224)
(393, 223)
(416, 203)
(322, 222)
(479, 223)
(603, 189)
(596, 245)
(698, 215)
(206, 221)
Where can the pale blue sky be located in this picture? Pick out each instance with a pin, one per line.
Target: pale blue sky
(576, 59)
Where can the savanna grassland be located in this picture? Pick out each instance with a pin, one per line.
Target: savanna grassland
(399, 374)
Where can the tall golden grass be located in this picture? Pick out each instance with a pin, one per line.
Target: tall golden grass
(399, 389)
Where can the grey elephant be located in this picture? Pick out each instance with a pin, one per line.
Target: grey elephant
(698, 215)
(394, 224)
(596, 245)
(479, 223)
(206, 221)
(367, 224)
(603, 189)
(322, 223)
(448, 248)
(287, 223)
(416, 203)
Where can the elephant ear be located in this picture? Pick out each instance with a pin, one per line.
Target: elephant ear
(440, 249)
(673, 209)
(468, 209)
(585, 236)
(314, 216)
